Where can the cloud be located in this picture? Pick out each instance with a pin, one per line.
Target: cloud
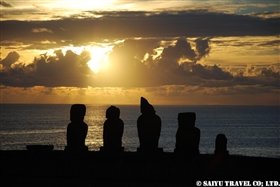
(132, 65)
(46, 10)
(10, 59)
(169, 94)
(5, 4)
(42, 45)
(67, 70)
(267, 15)
(40, 30)
(202, 47)
(271, 43)
(10, 43)
(182, 49)
(170, 69)
(120, 25)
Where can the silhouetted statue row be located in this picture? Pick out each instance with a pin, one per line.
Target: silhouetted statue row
(148, 127)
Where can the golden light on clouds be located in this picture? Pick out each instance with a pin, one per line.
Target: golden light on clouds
(115, 51)
(99, 58)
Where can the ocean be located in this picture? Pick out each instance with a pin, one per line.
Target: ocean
(251, 130)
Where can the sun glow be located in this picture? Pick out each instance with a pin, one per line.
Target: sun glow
(99, 58)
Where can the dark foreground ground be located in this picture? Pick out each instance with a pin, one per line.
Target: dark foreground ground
(59, 168)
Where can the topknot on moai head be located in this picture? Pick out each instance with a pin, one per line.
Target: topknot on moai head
(146, 107)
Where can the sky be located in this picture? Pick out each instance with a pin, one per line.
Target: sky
(175, 52)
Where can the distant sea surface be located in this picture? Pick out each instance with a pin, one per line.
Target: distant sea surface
(251, 130)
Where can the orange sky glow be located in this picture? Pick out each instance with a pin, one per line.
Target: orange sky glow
(113, 52)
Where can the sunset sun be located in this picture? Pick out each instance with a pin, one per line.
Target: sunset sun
(98, 58)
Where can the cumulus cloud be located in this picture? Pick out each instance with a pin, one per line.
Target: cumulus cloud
(10, 59)
(178, 64)
(132, 65)
(202, 47)
(67, 70)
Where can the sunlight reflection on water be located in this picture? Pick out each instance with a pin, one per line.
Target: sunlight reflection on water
(95, 118)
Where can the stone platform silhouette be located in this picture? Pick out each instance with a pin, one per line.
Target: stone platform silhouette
(95, 168)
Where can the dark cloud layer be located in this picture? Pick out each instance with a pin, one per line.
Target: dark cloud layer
(5, 4)
(116, 25)
(177, 65)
